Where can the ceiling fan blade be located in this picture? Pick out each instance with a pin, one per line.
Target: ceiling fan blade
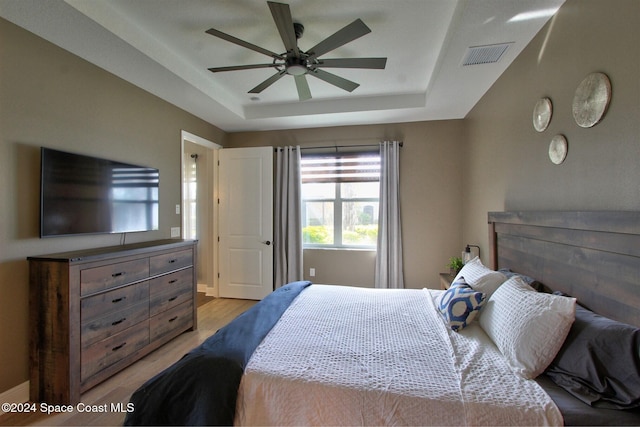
(265, 84)
(243, 43)
(371, 63)
(338, 81)
(240, 67)
(284, 22)
(349, 33)
(302, 85)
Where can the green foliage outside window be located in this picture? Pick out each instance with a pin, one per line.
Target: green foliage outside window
(318, 234)
(322, 235)
(361, 235)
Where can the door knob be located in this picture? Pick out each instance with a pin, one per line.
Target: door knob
(267, 243)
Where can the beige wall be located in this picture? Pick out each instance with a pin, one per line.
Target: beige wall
(49, 97)
(507, 165)
(430, 197)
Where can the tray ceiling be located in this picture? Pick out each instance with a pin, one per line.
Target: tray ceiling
(161, 46)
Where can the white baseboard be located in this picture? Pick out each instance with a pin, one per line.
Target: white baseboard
(18, 394)
(210, 292)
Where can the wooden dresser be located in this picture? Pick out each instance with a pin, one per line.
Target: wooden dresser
(94, 312)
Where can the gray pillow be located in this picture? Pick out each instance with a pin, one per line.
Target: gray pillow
(599, 362)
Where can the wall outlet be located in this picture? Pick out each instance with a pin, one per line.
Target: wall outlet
(175, 231)
(177, 209)
(312, 272)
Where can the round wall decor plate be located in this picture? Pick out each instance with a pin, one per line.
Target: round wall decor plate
(558, 149)
(591, 99)
(542, 114)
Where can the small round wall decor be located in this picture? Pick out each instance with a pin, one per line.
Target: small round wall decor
(591, 99)
(558, 149)
(542, 114)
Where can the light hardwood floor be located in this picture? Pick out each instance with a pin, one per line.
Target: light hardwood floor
(118, 389)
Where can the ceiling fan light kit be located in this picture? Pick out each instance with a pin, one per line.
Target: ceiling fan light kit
(297, 63)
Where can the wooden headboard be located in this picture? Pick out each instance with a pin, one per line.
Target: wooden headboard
(593, 256)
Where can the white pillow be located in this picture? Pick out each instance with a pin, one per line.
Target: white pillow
(528, 327)
(481, 278)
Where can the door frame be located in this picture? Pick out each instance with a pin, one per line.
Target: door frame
(211, 288)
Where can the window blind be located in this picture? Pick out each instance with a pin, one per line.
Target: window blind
(342, 167)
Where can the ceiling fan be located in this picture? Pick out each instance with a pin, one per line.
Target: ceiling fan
(298, 63)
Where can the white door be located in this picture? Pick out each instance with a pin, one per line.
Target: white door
(246, 222)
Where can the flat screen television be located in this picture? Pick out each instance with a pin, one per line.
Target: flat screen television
(89, 195)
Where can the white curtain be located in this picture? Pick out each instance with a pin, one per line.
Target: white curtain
(288, 217)
(389, 252)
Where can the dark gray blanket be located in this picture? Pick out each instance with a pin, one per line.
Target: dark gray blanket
(201, 388)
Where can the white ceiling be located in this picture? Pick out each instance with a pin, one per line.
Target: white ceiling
(161, 46)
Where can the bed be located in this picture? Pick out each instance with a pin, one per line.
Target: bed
(399, 357)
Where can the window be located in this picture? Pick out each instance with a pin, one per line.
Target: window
(340, 200)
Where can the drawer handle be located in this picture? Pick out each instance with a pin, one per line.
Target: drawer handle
(118, 347)
(171, 261)
(173, 319)
(117, 300)
(171, 282)
(118, 274)
(117, 322)
(173, 298)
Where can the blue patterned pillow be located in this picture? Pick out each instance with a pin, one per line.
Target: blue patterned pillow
(460, 304)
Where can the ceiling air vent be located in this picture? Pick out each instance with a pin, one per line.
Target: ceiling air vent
(488, 54)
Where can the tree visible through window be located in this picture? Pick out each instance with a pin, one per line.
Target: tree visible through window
(340, 200)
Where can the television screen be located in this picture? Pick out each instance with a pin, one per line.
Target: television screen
(88, 195)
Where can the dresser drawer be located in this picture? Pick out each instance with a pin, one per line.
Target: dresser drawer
(97, 279)
(177, 318)
(104, 353)
(113, 323)
(172, 261)
(111, 301)
(170, 290)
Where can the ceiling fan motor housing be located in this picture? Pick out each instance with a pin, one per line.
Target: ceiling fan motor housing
(296, 66)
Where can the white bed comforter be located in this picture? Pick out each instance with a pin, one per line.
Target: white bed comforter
(354, 356)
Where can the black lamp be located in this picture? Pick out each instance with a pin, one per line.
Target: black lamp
(466, 254)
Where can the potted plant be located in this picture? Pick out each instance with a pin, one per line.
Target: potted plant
(455, 265)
